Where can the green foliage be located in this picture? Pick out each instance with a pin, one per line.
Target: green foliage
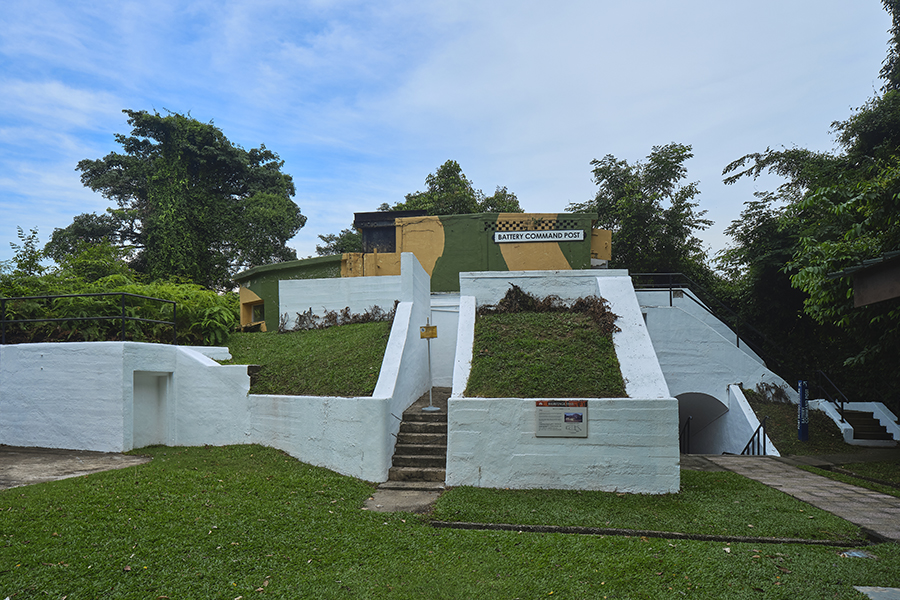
(189, 202)
(338, 361)
(203, 316)
(651, 214)
(348, 240)
(28, 257)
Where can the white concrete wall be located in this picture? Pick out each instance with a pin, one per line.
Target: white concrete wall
(879, 411)
(696, 359)
(731, 430)
(490, 287)
(691, 304)
(356, 436)
(107, 396)
(632, 446)
(445, 315)
(320, 295)
(632, 443)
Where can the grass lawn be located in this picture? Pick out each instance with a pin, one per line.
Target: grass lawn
(338, 361)
(824, 435)
(251, 522)
(543, 355)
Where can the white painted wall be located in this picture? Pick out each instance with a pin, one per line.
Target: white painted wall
(445, 315)
(731, 430)
(490, 287)
(632, 443)
(691, 304)
(632, 446)
(320, 295)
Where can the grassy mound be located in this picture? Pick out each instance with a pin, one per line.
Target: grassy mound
(543, 355)
(338, 361)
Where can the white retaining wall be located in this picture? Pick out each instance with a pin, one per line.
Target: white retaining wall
(632, 443)
(104, 395)
(116, 396)
(445, 315)
(356, 436)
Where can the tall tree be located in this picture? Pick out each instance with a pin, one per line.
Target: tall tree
(839, 209)
(652, 215)
(191, 203)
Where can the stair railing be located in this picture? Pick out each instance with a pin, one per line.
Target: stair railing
(843, 398)
(684, 438)
(757, 441)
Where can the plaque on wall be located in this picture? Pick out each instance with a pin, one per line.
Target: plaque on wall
(561, 418)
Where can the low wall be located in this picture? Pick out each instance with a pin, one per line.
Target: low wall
(632, 446)
(632, 443)
(105, 395)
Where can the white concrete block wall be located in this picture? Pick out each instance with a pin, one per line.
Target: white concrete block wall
(320, 295)
(632, 446)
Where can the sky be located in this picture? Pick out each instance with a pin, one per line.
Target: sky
(362, 100)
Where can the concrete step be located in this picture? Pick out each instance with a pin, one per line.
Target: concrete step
(421, 449)
(866, 426)
(423, 427)
(412, 486)
(427, 439)
(424, 417)
(420, 460)
(417, 474)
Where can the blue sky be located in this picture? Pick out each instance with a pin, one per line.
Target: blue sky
(362, 100)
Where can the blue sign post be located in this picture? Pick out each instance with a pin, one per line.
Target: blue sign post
(803, 412)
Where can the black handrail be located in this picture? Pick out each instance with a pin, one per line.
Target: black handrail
(843, 399)
(124, 318)
(757, 441)
(684, 437)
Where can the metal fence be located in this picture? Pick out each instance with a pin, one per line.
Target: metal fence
(123, 317)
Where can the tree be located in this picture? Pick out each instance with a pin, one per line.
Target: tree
(447, 192)
(835, 211)
(652, 215)
(189, 202)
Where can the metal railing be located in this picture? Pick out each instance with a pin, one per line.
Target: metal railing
(123, 316)
(757, 441)
(684, 438)
(837, 402)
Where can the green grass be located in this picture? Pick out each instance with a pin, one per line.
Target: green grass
(227, 522)
(338, 361)
(718, 503)
(884, 489)
(824, 435)
(543, 355)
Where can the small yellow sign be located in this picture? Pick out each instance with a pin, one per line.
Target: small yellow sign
(428, 332)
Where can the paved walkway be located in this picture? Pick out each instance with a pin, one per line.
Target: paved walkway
(878, 514)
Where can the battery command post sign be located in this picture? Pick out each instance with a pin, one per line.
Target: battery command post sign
(563, 235)
(561, 418)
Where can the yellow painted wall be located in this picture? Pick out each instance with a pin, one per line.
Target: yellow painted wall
(248, 300)
(601, 244)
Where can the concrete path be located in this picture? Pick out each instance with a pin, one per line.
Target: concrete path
(877, 514)
(23, 466)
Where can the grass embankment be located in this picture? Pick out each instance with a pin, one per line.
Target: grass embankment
(251, 522)
(543, 355)
(338, 361)
(824, 435)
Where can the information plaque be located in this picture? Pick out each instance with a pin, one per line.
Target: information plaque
(561, 418)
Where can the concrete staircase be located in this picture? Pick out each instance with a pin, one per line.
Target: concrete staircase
(421, 451)
(866, 426)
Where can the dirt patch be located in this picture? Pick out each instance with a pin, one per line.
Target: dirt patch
(24, 466)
